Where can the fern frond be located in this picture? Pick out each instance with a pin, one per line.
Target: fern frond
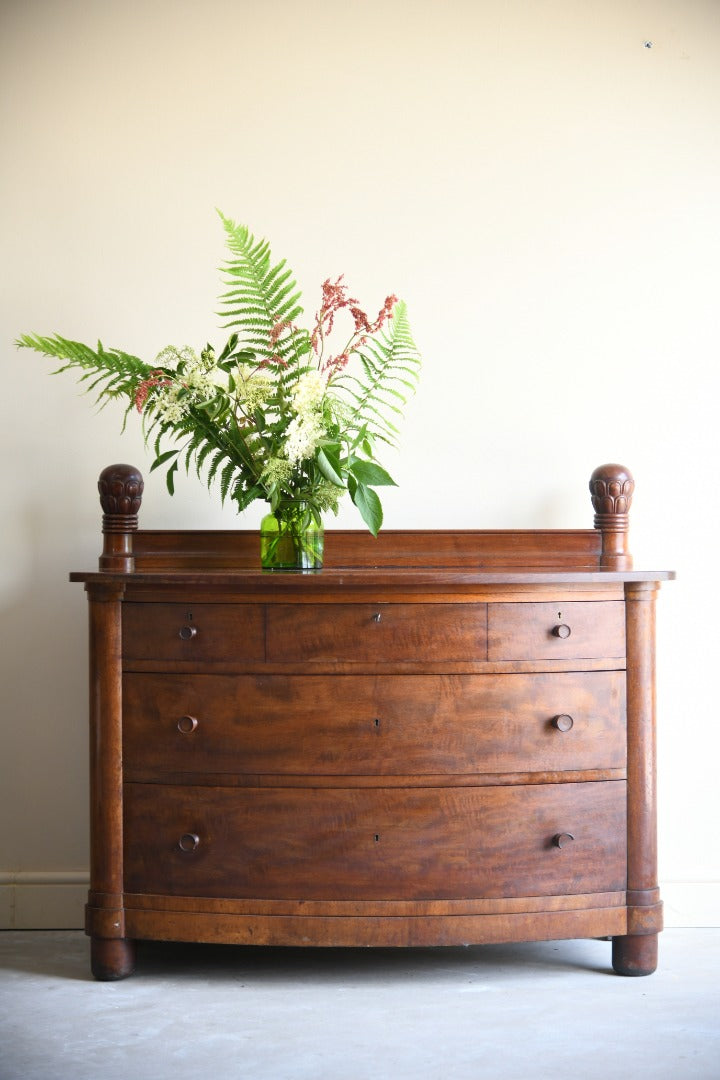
(260, 295)
(110, 373)
(218, 457)
(203, 452)
(390, 370)
(225, 479)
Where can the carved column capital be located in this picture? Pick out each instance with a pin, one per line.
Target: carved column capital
(611, 491)
(121, 489)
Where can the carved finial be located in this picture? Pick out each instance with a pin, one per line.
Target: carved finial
(121, 488)
(611, 489)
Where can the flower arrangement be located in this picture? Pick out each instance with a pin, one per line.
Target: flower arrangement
(277, 414)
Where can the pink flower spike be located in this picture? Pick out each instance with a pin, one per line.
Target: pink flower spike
(361, 320)
(386, 312)
(268, 360)
(335, 364)
(141, 394)
(278, 330)
(334, 297)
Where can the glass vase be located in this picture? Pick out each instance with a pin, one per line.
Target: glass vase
(291, 539)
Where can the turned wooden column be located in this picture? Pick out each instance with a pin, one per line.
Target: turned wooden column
(611, 488)
(636, 953)
(112, 955)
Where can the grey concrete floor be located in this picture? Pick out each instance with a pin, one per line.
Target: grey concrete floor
(503, 1012)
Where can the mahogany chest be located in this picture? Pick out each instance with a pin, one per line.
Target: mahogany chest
(439, 738)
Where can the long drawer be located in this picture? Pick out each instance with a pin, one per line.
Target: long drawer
(375, 844)
(372, 725)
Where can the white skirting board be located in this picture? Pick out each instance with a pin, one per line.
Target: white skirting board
(43, 900)
(50, 900)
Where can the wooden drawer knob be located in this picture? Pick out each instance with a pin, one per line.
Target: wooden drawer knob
(563, 839)
(187, 632)
(562, 630)
(186, 724)
(188, 842)
(563, 722)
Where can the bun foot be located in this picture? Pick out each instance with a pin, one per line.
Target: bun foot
(635, 954)
(112, 958)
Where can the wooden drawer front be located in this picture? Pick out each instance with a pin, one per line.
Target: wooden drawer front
(193, 632)
(377, 632)
(565, 631)
(375, 844)
(364, 725)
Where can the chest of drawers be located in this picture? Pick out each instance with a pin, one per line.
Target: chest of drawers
(440, 738)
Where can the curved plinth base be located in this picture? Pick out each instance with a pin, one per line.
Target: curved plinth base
(112, 958)
(635, 954)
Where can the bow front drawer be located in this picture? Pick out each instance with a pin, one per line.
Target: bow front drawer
(377, 843)
(193, 632)
(563, 631)
(384, 725)
(376, 632)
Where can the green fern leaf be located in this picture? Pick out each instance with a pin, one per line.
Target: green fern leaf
(110, 373)
(390, 370)
(218, 458)
(225, 480)
(260, 295)
(201, 456)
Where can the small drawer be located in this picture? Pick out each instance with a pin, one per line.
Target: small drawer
(375, 843)
(364, 725)
(192, 632)
(563, 631)
(376, 633)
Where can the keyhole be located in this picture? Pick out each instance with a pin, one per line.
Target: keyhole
(188, 616)
(376, 721)
(377, 838)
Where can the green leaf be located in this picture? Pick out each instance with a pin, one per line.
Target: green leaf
(367, 472)
(329, 466)
(170, 478)
(230, 345)
(162, 458)
(370, 507)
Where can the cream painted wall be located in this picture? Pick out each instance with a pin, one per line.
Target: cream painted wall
(538, 185)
